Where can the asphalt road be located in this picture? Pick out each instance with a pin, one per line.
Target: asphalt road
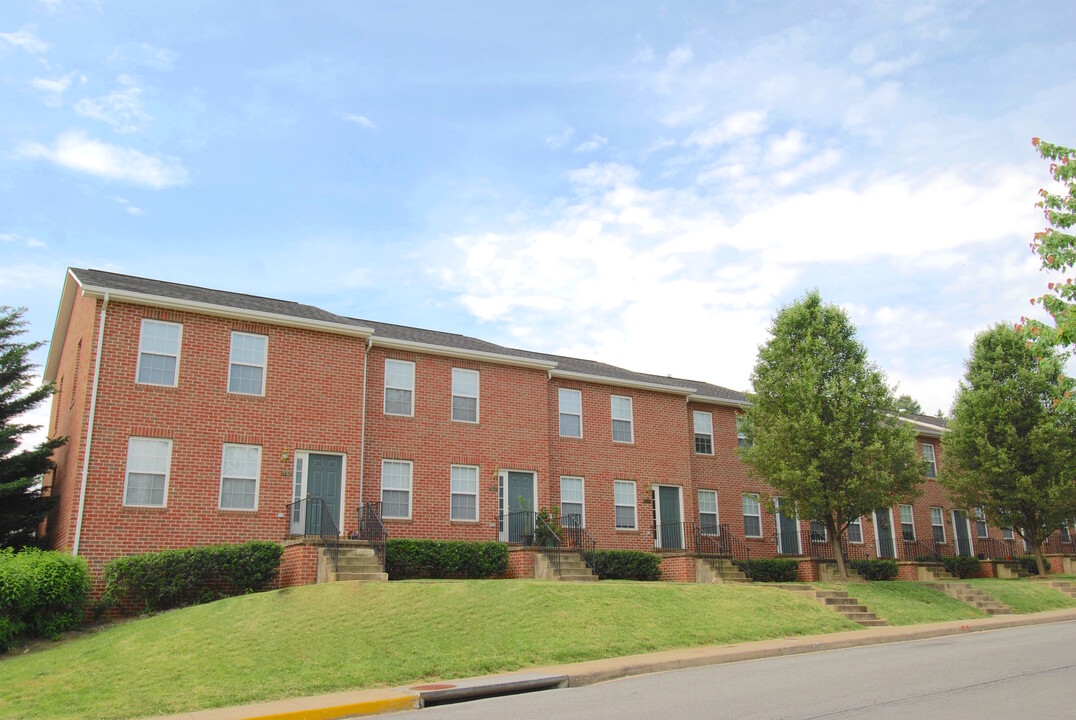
(1024, 673)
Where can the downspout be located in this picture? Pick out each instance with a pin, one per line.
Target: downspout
(362, 446)
(89, 428)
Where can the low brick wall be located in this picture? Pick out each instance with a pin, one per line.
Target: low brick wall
(1057, 564)
(298, 564)
(520, 563)
(808, 570)
(678, 568)
(907, 571)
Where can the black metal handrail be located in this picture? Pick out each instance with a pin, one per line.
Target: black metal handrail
(926, 551)
(788, 542)
(823, 550)
(717, 543)
(994, 549)
(372, 530)
(518, 527)
(1053, 545)
(887, 549)
(575, 536)
(313, 518)
(671, 535)
(547, 538)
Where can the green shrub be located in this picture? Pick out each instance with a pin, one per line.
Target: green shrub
(41, 594)
(875, 568)
(626, 565)
(173, 578)
(963, 566)
(408, 559)
(1027, 562)
(771, 569)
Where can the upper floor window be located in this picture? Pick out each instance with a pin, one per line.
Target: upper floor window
(399, 387)
(246, 364)
(465, 395)
(928, 457)
(148, 464)
(571, 412)
(907, 523)
(741, 434)
(937, 524)
(622, 419)
(158, 352)
(704, 432)
(239, 470)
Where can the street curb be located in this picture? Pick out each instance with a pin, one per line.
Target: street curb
(317, 707)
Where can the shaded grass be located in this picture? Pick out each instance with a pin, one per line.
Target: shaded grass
(324, 638)
(1024, 596)
(908, 603)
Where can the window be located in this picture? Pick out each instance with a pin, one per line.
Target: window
(571, 412)
(624, 504)
(239, 477)
(818, 532)
(752, 516)
(708, 511)
(246, 368)
(1065, 537)
(855, 531)
(937, 524)
(928, 456)
(158, 352)
(1007, 533)
(399, 387)
(980, 523)
(622, 421)
(148, 462)
(704, 433)
(571, 497)
(907, 523)
(396, 489)
(464, 491)
(741, 434)
(465, 395)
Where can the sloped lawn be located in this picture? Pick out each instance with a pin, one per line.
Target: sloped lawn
(1024, 596)
(909, 603)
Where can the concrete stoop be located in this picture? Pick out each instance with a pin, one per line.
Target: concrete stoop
(718, 570)
(354, 564)
(1008, 570)
(965, 593)
(839, 601)
(572, 568)
(934, 573)
(827, 572)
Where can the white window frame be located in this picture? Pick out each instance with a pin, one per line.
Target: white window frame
(452, 492)
(695, 415)
(980, 518)
(410, 488)
(560, 410)
(264, 364)
(1007, 533)
(933, 524)
(911, 513)
(932, 460)
(179, 352)
(758, 513)
(582, 498)
(630, 419)
(385, 396)
(741, 436)
(858, 522)
(811, 531)
(127, 471)
(716, 513)
(475, 397)
(256, 478)
(634, 506)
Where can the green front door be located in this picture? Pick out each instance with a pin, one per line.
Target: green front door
(517, 501)
(960, 529)
(323, 483)
(669, 522)
(884, 530)
(788, 528)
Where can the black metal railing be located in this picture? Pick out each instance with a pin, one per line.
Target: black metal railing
(1053, 545)
(994, 549)
(670, 536)
(313, 518)
(788, 542)
(372, 530)
(822, 549)
(576, 537)
(525, 527)
(926, 551)
(887, 548)
(717, 543)
(518, 527)
(547, 539)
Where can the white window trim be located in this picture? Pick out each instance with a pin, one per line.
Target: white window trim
(858, 521)
(264, 366)
(410, 488)
(634, 506)
(630, 420)
(385, 394)
(127, 472)
(257, 479)
(477, 482)
(980, 517)
(582, 500)
(933, 461)
(758, 501)
(934, 525)
(179, 352)
(476, 396)
(915, 535)
(696, 429)
(717, 508)
(579, 415)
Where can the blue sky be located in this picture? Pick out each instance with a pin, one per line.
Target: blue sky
(640, 184)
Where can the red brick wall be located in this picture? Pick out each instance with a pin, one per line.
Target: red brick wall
(520, 563)
(298, 565)
(678, 568)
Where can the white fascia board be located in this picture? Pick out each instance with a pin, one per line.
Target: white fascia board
(927, 428)
(728, 402)
(478, 355)
(620, 382)
(228, 312)
(59, 330)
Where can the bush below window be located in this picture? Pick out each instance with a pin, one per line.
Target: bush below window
(627, 565)
(963, 566)
(409, 559)
(41, 594)
(777, 570)
(875, 569)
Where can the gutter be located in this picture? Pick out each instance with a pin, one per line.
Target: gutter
(89, 428)
(479, 355)
(620, 382)
(728, 402)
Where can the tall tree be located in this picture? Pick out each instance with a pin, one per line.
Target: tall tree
(22, 505)
(1056, 245)
(823, 425)
(1011, 445)
(907, 404)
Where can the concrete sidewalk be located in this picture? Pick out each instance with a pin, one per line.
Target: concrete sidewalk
(373, 702)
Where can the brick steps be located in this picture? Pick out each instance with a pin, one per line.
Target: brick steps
(839, 601)
(965, 593)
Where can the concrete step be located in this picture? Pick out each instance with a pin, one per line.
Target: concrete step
(358, 576)
(839, 601)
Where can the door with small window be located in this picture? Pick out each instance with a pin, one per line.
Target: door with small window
(788, 528)
(883, 532)
(670, 525)
(962, 533)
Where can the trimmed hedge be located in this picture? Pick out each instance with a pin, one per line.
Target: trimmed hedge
(1027, 562)
(174, 578)
(627, 565)
(776, 570)
(409, 559)
(875, 568)
(41, 594)
(963, 566)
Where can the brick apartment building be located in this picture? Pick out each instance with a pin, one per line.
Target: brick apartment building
(197, 416)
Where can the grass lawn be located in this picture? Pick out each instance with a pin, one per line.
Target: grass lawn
(1024, 596)
(324, 638)
(908, 603)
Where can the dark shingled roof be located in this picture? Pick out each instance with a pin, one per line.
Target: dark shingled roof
(927, 419)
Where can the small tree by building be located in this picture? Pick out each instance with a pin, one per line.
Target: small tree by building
(22, 505)
(1011, 445)
(823, 424)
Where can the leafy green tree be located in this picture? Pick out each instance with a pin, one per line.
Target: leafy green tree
(1056, 246)
(22, 505)
(907, 404)
(1011, 445)
(823, 425)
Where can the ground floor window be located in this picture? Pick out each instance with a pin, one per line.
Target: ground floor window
(752, 516)
(464, 493)
(818, 532)
(980, 523)
(937, 524)
(148, 464)
(624, 504)
(396, 489)
(239, 477)
(907, 523)
(855, 531)
(571, 497)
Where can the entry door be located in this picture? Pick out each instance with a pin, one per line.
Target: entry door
(324, 473)
(670, 535)
(788, 529)
(961, 532)
(516, 495)
(883, 532)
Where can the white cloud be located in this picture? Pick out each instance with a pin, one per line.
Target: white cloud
(885, 68)
(129, 207)
(75, 151)
(680, 56)
(26, 40)
(738, 125)
(596, 142)
(122, 109)
(54, 88)
(559, 140)
(27, 240)
(812, 166)
(362, 121)
(786, 148)
(146, 55)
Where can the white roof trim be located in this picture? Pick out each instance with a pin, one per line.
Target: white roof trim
(640, 385)
(59, 329)
(935, 430)
(729, 402)
(478, 355)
